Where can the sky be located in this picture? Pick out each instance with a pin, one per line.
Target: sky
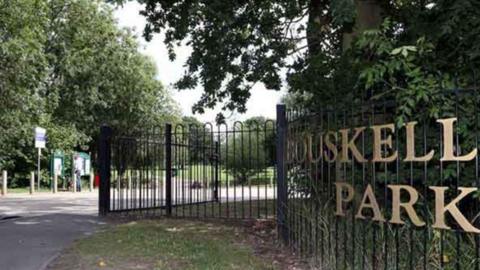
(262, 102)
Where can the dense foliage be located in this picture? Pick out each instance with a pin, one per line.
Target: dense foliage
(66, 66)
(321, 45)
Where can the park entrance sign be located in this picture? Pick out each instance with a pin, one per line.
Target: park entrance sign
(383, 152)
(361, 186)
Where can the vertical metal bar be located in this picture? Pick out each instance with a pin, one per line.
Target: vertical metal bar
(322, 188)
(364, 181)
(183, 166)
(457, 178)
(353, 123)
(174, 167)
(217, 161)
(168, 168)
(204, 169)
(425, 194)
(234, 169)
(250, 167)
(213, 166)
(281, 172)
(386, 227)
(197, 170)
(337, 171)
(104, 161)
(141, 170)
(397, 180)
(274, 202)
(191, 166)
(218, 182)
(242, 158)
(344, 221)
(227, 169)
(442, 235)
(148, 172)
(257, 166)
(155, 167)
(266, 166)
(477, 178)
(374, 182)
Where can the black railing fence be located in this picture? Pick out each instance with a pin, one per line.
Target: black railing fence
(340, 207)
(191, 171)
(374, 185)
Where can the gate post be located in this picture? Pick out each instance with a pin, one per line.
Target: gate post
(217, 161)
(104, 151)
(168, 167)
(281, 172)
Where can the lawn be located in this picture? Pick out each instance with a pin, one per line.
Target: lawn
(27, 190)
(201, 172)
(177, 244)
(198, 171)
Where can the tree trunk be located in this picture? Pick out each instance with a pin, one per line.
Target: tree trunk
(316, 21)
(369, 16)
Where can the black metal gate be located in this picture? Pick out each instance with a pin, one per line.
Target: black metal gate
(189, 171)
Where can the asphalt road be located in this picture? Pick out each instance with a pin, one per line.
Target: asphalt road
(35, 229)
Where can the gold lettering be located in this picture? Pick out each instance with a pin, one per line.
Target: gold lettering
(333, 149)
(339, 188)
(346, 145)
(372, 204)
(441, 208)
(408, 206)
(378, 142)
(448, 154)
(410, 156)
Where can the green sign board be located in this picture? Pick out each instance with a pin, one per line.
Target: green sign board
(57, 163)
(82, 162)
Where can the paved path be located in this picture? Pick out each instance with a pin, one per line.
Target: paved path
(47, 224)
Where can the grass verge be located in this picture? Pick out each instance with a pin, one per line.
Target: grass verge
(177, 244)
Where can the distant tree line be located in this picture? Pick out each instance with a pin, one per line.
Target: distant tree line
(67, 67)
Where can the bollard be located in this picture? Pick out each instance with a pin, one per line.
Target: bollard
(74, 181)
(55, 183)
(74, 176)
(92, 177)
(32, 182)
(4, 183)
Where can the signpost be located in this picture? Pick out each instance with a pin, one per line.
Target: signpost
(40, 142)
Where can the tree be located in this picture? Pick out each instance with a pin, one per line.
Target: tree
(249, 149)
(198, 136)
(238, 43)
(23, 65)
(66, 66)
